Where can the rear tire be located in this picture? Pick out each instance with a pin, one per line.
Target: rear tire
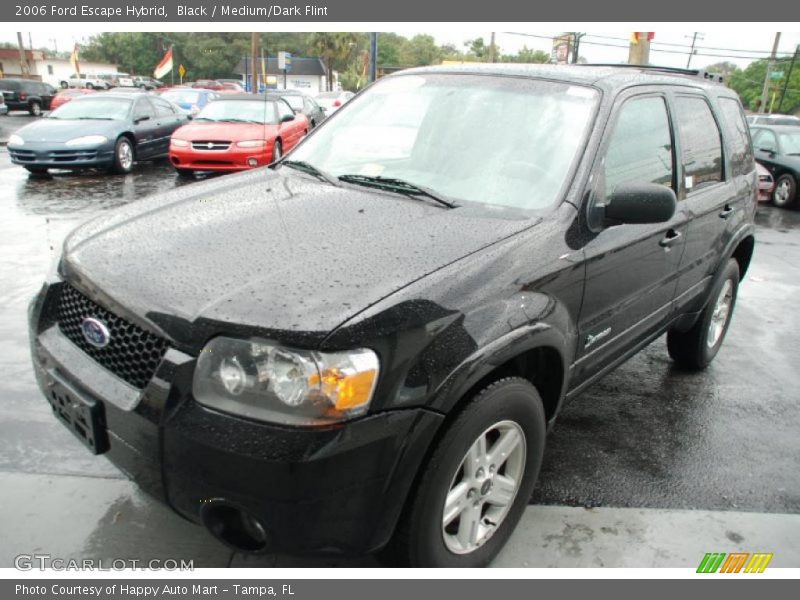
(123, 156)
(89, 86)
(35, 108)
(695, 349)
(471, 493)
(785, 193)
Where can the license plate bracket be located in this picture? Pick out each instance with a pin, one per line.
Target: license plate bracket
(83, 416)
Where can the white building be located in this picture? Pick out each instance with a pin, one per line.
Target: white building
(52, 70)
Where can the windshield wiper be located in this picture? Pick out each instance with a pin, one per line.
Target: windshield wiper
(310, 169)
(400, 186)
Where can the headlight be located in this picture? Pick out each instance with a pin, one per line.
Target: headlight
(15, 140)
(180, 143)
(87, 140)
(262, 380)
(251, 144)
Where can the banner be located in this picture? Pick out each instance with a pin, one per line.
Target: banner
(165, 66)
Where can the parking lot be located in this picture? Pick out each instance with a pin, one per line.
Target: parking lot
(651, 467)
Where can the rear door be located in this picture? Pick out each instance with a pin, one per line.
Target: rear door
(708, 195)
(631, 270)
(145, 128)
(167, 120)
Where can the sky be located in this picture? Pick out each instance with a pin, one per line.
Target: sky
(669, 48)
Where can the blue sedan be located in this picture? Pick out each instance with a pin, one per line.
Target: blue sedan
(190, 100)
(107, 130)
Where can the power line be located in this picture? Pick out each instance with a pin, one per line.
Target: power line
(678, 45)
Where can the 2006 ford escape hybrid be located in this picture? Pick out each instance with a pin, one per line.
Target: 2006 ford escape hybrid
(362, 347)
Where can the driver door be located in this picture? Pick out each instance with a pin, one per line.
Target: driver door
(145, 128)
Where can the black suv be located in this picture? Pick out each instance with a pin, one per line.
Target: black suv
(362, 346)
(25, 94)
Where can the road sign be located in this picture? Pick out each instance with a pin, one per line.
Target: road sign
(284, 61)
(776, 74)
(181, 70)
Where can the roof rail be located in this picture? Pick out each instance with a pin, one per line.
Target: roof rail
(702, 74)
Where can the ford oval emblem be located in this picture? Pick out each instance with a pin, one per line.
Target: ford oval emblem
(95, 332)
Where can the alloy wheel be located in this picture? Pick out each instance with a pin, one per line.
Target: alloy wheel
(125, 155)
(483, 488)
(719, 318)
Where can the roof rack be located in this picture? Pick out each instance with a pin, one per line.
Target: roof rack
(702, 74)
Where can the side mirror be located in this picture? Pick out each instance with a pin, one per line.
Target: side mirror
(287, 118)
(140, 119)
(638, 203)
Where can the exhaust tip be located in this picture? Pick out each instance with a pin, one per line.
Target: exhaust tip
(234, 526)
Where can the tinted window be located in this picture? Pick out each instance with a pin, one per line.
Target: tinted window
(701, 146)
(284, 109)
(9, 85)
(640, 147)
(144, 109)
(765, 140)
(163, 108)
(740, 151)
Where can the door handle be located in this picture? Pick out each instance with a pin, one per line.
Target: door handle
(726, 212)
(669, 239)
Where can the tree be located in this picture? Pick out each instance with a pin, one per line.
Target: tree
(421, 50)
(724, 68)
(527, 55)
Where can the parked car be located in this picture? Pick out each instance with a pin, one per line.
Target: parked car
(109, 130)
(65, 96)
(208, 84)
(352, 351)
(191, 101)
(302, 103)
(88, 80)
(236, 133)
(777, 147)
(766, 183)
(147, 83)
(772, 120)
(229, 87)
(3, 107)
(26, 94)
(330, 102)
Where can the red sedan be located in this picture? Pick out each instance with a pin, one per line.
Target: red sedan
(237, 132)
(65, 96)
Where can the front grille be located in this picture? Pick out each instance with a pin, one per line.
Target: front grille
(72, 155)
(22, 155)
(132, 354)
(210, 145)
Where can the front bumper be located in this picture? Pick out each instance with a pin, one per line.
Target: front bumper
(337, 489)
(61, 156)
(232, 159)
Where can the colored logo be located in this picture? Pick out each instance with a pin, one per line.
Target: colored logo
(735, 562)
(95, 332)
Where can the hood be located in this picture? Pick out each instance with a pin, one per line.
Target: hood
(205, 130)
(271, 252)
(63, 130)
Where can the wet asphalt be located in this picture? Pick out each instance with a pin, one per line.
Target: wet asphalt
(647, 436)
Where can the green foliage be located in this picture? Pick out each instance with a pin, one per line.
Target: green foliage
(749, 82)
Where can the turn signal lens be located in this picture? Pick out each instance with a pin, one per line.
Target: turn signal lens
(179, 143)
(251, 144)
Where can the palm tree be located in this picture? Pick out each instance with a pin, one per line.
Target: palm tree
(333, 47)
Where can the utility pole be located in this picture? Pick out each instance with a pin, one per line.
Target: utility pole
(373, 57)
(788, 76)
(770, 64)
(254, 61)
(492, 50)
(576, 44)
(639, 53)
(23, 59)
(695, 38)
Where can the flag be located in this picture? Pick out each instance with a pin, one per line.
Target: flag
(165, 66)
(638, 35)
(73, 60)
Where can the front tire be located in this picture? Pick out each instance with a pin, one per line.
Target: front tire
(277, 151)
(37, 170)
(695, 349)
(185, 173)
(123, 156)
(785, 192)
(477, 482)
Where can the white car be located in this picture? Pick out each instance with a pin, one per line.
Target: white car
(88, 81)
(330, 102)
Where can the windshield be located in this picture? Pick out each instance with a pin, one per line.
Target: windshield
(790, 142)
(94, 108)
(296, 102)
(494, 140)
(255, 111)
(182, 97)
